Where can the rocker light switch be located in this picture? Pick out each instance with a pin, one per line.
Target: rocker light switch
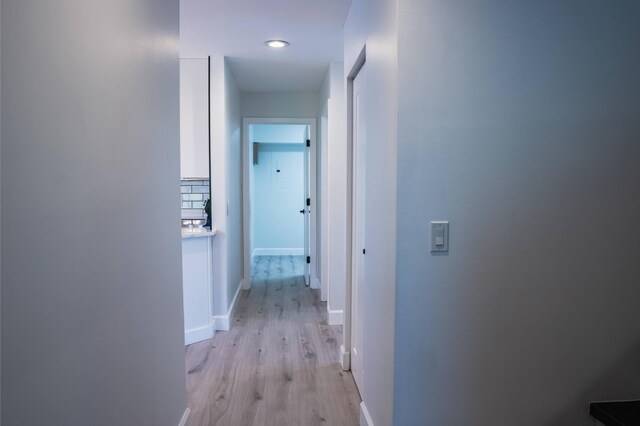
(439, 236)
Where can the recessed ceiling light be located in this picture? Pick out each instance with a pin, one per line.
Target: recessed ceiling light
(276, 44)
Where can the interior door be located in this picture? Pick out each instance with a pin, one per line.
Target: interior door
(358, 227)
(307, 209)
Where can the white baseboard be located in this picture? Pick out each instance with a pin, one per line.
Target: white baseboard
(315, 283)
(335, 317)
(345, 359)
(185, 417)
(199, 334)
(278, 252)
(323, 292)
(223, 322)
(365, 417)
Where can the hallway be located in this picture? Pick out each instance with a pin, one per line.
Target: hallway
(278, 365)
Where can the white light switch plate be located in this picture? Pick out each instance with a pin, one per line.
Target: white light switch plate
(439, 236)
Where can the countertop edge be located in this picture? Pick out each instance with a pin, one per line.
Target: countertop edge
(186, 234)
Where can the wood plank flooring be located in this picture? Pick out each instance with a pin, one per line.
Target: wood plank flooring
(278, 365)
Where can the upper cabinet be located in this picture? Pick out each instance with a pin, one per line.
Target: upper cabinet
(194, 123)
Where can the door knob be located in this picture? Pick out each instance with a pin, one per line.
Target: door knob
(302, 211)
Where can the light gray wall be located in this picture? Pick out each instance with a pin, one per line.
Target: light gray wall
(322, 176)
(518, 122)
(0, 220)
(219, 176)
(280, 105)
(374, 22)
(235, 236)
(226, 184)
(91, 291)
(332, 187)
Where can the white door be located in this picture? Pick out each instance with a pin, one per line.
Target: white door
(358, 287)
(307, 209)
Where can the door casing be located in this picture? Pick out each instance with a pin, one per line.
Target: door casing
(358, 239)
(345, 353)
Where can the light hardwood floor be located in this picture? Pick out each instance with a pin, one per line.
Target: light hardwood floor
(278, 365)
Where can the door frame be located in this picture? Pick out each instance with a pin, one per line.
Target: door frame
(247, 155)
(345, 348)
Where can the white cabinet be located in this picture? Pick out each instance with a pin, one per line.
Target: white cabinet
(194, 120)
(197, 281)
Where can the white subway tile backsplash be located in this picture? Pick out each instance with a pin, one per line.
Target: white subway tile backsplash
(194, 193)
(200, 189)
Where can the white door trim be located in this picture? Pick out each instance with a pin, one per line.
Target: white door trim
(247, 155)
(323, 177)
(346, 329)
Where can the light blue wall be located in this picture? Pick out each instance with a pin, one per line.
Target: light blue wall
(278, 197)
(273, 133)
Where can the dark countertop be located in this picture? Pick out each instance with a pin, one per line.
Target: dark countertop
(617, 413)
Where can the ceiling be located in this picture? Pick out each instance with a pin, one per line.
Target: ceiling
(238, 29)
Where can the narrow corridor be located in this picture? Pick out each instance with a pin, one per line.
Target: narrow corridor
(278, 365)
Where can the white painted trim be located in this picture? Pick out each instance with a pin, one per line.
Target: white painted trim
(196, 335)
(335, 317)
(365, 417)
(278, 252)
(185, 417)
(345, 359)
(324, 126)
(348, 324)
(316, 284)
(223, 322)
(247, 150)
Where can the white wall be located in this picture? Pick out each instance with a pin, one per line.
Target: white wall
(278, 197)
(321, 167)
(0, 227)
(91, 276)
(332, 188)
(219, 186)
(235, 235)
(375, 23)
(519, 123)
(226, 185)
(280, 105)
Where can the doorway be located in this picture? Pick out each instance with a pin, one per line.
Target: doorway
(279, 183)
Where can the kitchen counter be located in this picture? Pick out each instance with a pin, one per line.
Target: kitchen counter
(198, 232)
(197, 283)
